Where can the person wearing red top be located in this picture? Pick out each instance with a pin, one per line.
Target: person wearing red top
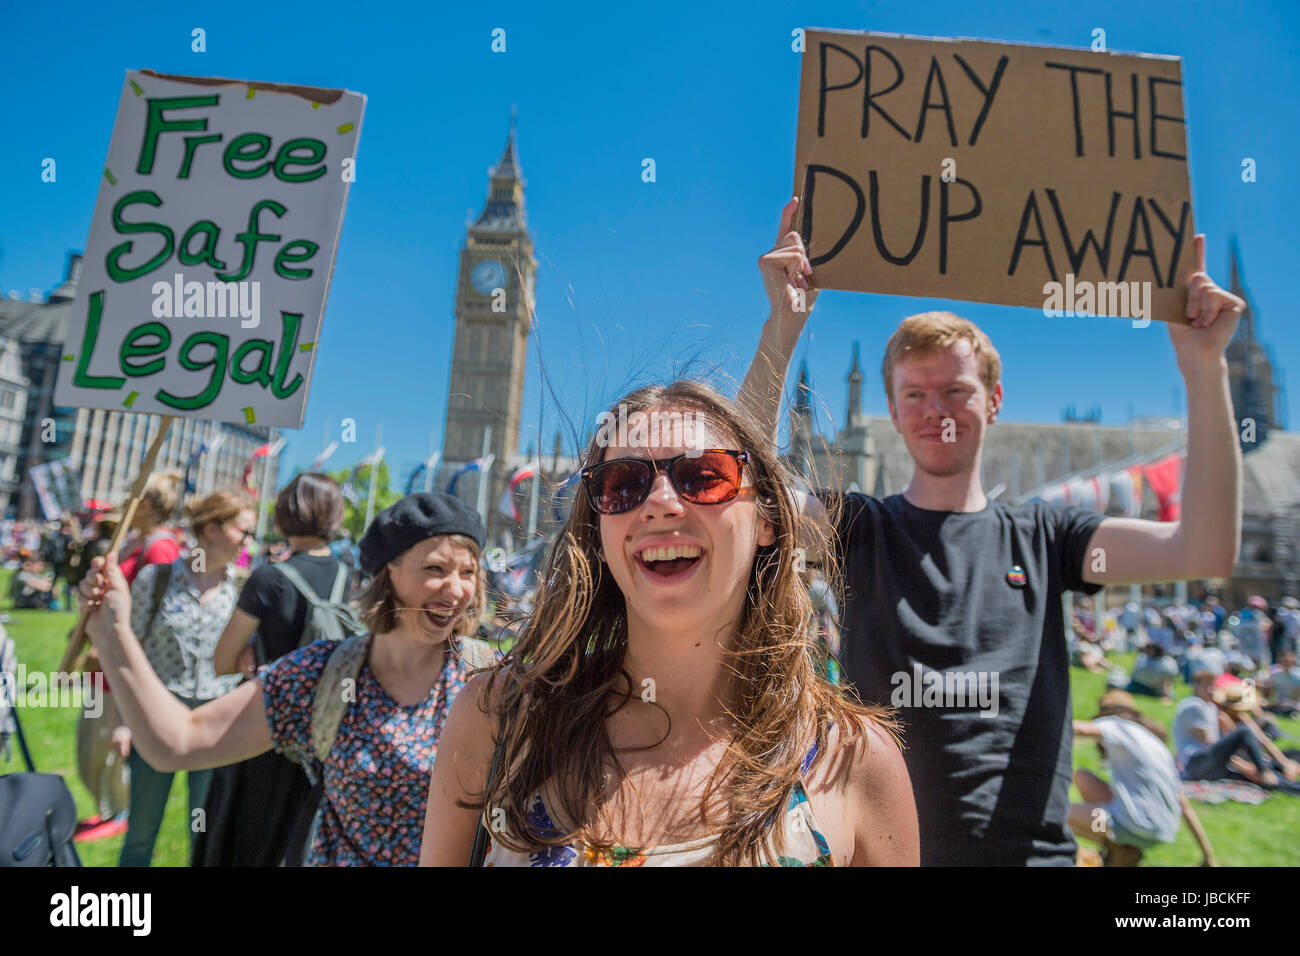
(156, 546)
(104, 742)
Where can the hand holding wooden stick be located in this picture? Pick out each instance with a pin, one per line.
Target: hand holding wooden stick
(77, 637)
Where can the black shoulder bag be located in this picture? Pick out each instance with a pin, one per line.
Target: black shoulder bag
(37, 815)
(481, 834)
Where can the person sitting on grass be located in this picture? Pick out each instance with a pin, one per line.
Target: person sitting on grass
(1140, 808)
(1085, 642)
(1240, 706)
(1284, 685)
(1153, 674)
(1206, 752)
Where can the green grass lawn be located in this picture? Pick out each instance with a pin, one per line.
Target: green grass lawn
(1241, 835)
(52, 737)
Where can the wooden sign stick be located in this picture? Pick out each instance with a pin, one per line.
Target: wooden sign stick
(77, 638)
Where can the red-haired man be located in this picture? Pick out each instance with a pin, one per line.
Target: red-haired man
(953, 600)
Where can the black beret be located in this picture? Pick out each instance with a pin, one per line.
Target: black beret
(414, 519)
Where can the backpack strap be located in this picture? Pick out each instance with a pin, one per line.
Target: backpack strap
(479, 849)
(300, 584)
(161, 578)
(298, 581)
(328, 707)
(340, 585)
(144, 544)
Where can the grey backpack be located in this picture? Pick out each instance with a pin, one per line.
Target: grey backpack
(329, 619)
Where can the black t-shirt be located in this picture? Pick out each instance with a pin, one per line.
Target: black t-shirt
(280, 610)
(955, 619)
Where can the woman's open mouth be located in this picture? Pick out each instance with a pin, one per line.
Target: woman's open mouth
(668, 563)
(440, 615)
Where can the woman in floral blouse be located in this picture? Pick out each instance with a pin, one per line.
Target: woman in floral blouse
(178, 609)
(423, 554)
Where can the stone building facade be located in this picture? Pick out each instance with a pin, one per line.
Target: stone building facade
(14, 388)
(108, 448)
(39, 327)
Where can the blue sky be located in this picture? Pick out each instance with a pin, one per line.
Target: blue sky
(637, 281)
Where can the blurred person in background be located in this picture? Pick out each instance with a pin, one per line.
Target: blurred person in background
(1141, 806)
(178, 610)
(1205, 752)
(150, 541)
(55, 547)
(1254, 631)
(1129, 619)
(32, 586)
(1153, 673)
(254, 804)
(1284, 684)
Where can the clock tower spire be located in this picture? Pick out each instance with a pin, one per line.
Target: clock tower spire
(494, 303)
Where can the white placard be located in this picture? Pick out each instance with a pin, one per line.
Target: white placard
(211, 249)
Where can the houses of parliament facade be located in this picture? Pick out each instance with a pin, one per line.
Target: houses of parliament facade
(493, 318)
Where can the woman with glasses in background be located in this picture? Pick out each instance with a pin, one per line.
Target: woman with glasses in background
(179, 610)
(663, 706)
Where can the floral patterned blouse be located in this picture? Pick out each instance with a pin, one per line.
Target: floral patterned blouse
(376, 778)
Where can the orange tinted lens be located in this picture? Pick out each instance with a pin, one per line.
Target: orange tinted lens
(619, 486)
(709, 479)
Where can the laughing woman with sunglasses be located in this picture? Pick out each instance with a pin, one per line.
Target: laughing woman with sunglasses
(663, 707)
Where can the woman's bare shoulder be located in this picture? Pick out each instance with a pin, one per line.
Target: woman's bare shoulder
(873, 791)
(860, 751)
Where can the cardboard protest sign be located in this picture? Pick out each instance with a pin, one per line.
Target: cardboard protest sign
(57, 487)
(985, 171)
(211, 249)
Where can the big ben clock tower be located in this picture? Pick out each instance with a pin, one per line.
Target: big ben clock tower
(494, 299)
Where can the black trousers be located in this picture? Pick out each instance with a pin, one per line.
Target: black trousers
(252, 813)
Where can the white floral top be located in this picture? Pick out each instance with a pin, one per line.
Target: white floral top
(804, 843)
(185, 631)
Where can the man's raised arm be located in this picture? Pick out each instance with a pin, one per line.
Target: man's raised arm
(1205, 541)
(785, 272)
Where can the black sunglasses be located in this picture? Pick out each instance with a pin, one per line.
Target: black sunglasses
(707, 477)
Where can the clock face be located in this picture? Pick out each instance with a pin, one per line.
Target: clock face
(488, 275)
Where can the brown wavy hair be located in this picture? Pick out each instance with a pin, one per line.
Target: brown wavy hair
(217, 508)
(162, 493)
(551, 696)
(380, 607)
